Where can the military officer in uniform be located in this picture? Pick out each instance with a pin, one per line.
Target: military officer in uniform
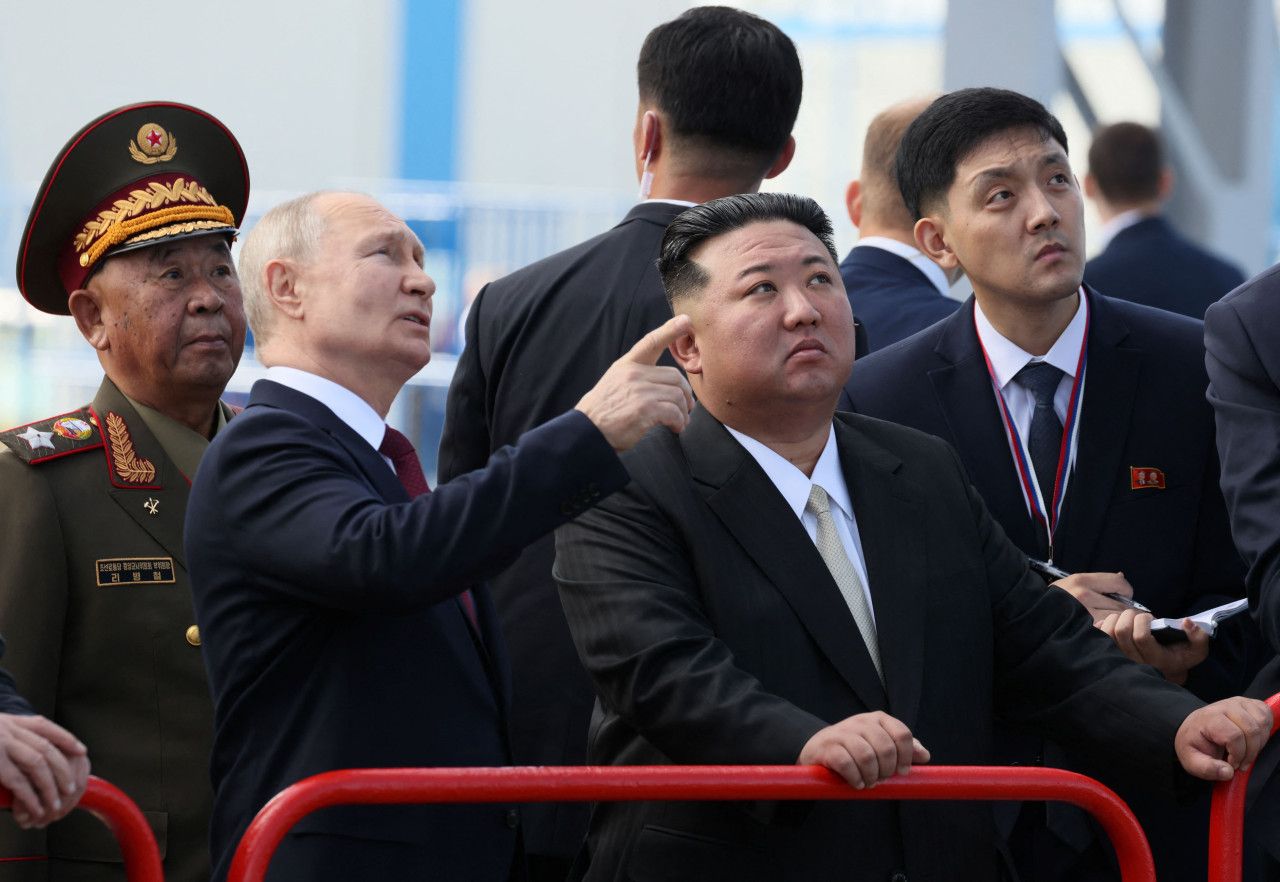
(129, 234)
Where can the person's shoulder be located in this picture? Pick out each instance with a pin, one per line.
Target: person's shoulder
(917, 350)
(1150, 324)
(53, 439)
(1258, 297)
(656, 445)
(895, 438)
(549, 272)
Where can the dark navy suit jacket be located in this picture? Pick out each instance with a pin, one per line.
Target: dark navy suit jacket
(1151, 263)
(10, 701)
(1143, 408)
(890, 296)
(333, 633)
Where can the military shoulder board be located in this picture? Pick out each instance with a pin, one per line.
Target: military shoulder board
(51, 438)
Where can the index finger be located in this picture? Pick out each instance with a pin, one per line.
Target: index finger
(650, 347)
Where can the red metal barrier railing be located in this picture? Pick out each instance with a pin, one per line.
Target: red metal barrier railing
(627, 783)
(125, 820)
(1226, 818)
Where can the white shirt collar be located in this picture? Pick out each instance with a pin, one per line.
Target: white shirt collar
(913, 256)
(1117, 225)
(345, 404)
(792, 483)
(674, 202)
(1007, 358)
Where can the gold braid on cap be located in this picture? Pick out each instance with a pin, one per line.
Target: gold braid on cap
(144, 211)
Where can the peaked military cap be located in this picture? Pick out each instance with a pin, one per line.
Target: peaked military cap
(135, 176)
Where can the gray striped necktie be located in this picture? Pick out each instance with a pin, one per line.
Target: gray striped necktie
(844, 572)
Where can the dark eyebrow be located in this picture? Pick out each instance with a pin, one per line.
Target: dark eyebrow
(768, 267)
(1056, 157)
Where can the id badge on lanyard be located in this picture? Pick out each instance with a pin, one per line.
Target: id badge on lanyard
(1046, 512)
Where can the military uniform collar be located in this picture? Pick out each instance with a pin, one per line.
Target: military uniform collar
(182, 445)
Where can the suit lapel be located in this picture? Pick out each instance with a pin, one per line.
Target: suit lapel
(888, 513)
(1111, 383)
(964, 394)
(755, 513)
(144, 482)
(387, 485)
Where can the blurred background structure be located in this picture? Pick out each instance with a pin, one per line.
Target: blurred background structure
(502, 130)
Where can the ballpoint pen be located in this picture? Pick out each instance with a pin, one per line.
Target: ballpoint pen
(1052, 573)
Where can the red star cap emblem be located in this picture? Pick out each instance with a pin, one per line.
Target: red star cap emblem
(154, 138)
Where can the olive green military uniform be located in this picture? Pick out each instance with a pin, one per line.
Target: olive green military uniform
(96, 609)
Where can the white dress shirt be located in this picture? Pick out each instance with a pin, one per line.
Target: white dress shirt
(1117, 225)
(795, 486)
(346, 405)
(913, 256)
(1007, 358)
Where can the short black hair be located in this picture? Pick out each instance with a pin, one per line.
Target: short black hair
(682, 276)
(725, 78)
(1126, 160)
(951, 128)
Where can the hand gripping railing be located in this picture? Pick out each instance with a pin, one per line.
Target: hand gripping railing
(1226, 818)
(125, 820)
(626, 783)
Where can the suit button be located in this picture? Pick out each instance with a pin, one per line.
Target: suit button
(193, 635)
(594, 490)
(566, 508)
(511, 818)
(898, 877)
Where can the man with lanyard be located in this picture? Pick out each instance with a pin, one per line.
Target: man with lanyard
(1081, 420)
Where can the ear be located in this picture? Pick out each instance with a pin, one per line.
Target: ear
(280, 281)
(1090, 185)
(87, 311)
(1164, 189)
(931, 238)
(780, 164)
(648, 137)
(685, 351)
(853, 200)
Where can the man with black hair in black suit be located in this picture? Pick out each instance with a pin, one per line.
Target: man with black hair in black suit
(719, 92)
(1080, 419)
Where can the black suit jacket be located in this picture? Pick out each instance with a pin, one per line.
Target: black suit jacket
(1151, 263)
(536, 342)
(1241, 335)
(893, 298)
(1144, 408)
(715, 634)
(334, 636)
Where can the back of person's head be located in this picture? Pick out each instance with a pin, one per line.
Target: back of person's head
(1126, 160)
(952, 128)
(725, 81)
(882, 204)
(290, 231)
(683, 277)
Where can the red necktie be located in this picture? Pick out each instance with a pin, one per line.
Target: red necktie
(399, 449)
